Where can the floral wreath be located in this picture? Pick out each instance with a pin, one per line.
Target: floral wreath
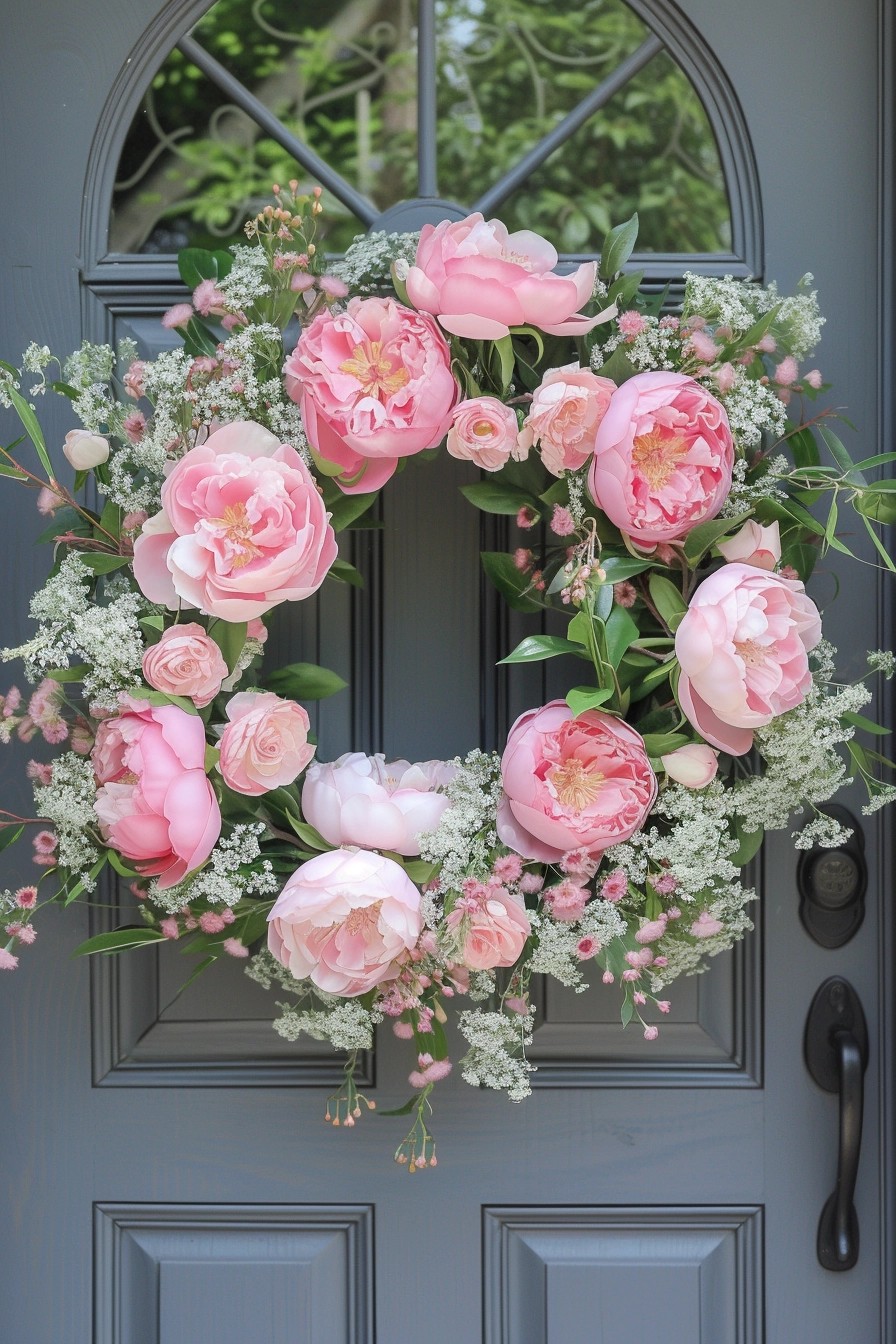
(665, 499)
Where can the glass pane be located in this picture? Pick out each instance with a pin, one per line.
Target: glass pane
(342, 77)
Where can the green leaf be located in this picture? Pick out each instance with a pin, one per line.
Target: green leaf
(624, 288)
(307, 834)
(618, 367)
(704, 535)
(643, 687)
(32, 428)
(62, 674)
(618, 246)
(344, 572)
(305, 681)
(580, 629)
(494, 497)
(196, 264)
(504, 349)
(667, 599)
(103, 562)
(866, 725)
(877, 502)
(582, 698)
(66, 520)
(660, 744)
(804, 448)
(841, 456)
(627, 1011)
(621, 631)
(230, 637)
(347, 509)
(419, 871)
(120, 867)
(9, 835)
(70, 894)
(160, 698)
(6, 470)
(402, 1110)
(535, 648)
(749, 843)
(508, 580)
(878, 460)
(118, 940)
(619, 567)
(198, 340)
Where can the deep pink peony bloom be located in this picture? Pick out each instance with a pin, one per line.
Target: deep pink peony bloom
(483, 430)
(362, 800)
(743, 646)
(265, 744)
(155, 804)
(186, 661)
(242, 528)
(345, 920)
(480, 280)
(495, 933)
(564, 417)
(663, 457)
(374, 384)
(572, 783)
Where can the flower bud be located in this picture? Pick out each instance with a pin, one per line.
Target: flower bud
(85, 450)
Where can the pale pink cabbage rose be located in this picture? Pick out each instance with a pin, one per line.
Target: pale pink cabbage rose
(663, 457)
(565, 415)
(743, 646)
(495, 933)
(754, 545)
(483, 430)
(374, 384)
(345, 920)
(480, 280)
(572, 783)
(265, 744)
(186, 661)
(242, 528)
(155, 804)
(693, 766)
(362, 800)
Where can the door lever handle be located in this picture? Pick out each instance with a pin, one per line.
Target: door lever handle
(836, 1049)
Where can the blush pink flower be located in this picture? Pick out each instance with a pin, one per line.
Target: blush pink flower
(483, 430)
(265, 744)
(346, 920)
(563, 420)
(663, 457)
(242, 528)
(493, 931)
(374, 384)
(743, 646)
(705, 926)
(480, 280)
(362, 800)
(178, 316)
(572, 783)
(85, 450)
(133, 379)
(208, 299)
(693, 766)
(186, 661)
(754, 545)
(155, 804)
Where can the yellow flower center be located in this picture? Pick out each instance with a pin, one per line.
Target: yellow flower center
(374, 370)
(657, 454)
(575, 786)
(482, 429)
(359, 921)
(751, 653)
(237, 528)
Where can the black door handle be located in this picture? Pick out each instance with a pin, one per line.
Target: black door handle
(836, 1050)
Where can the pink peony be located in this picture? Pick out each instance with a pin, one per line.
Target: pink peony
(360, 800)
(242, 528)
(265, 744)
(483, 430)
(743, 646)
(480, 280)
(495, 933)
(345, 920)
(663, 457)
(155, 804)
(563, 420)
(186, 661)
(754, 545)
(374, 384)
(693, 766)
(572, 783)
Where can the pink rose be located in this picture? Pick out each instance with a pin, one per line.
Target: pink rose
(242, 528)
(360, 800)
(133, 379)
(743, 646)
(186, 661)
(374, 384)
(693, 766)
(754, 545)
(265, 744)
(564, 417)
(663, 457)
(483, 430)
(155, 804)
(572, 783)
(480, 280)
(494, 933)
(345, 920)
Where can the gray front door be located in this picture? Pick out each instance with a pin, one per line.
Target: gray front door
(167, 1176)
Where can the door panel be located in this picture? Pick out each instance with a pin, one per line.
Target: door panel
(167, 1173)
